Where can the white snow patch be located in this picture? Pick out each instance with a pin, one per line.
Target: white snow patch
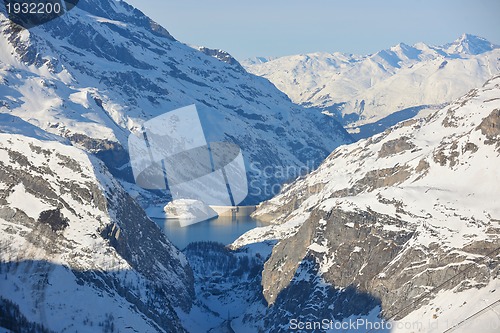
(27, 202)
(318, 248)
(357, 249)
(187, 209)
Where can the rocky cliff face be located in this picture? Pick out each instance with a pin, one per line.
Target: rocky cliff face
(407, 218)
(77, 253)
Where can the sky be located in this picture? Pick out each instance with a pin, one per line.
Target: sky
(285, 27)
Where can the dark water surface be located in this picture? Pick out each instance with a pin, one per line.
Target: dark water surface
(222, 229)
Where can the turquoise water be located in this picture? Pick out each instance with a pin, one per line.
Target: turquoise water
(222, 229)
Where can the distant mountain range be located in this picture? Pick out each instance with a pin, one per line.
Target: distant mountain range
(383, 88)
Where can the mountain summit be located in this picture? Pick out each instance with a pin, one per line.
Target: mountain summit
(469, 44)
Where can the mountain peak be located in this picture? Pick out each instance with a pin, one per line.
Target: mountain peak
(470, 44)
(221, 55)
(405, 50)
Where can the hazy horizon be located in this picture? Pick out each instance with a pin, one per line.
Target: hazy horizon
(279, 28)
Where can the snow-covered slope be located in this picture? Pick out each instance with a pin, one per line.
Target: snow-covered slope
(76, 252)
(409, 218)
(364, 89)
(99, 72)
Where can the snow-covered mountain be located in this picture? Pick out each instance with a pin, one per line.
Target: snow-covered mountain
(96, 74)
(394, 84)
(404, 225)
(77, 253)
(256, 61)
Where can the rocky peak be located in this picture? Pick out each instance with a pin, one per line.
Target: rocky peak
(470, 45)
(120, 11)
(222, 56)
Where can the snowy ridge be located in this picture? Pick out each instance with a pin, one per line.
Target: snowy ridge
(363, 89)
(398, 215)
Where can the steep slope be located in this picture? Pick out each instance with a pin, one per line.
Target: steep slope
(408, 218)
(68, 228)
(364, 89)
(99, 72)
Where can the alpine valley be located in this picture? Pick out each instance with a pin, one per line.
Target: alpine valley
(400, 231)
